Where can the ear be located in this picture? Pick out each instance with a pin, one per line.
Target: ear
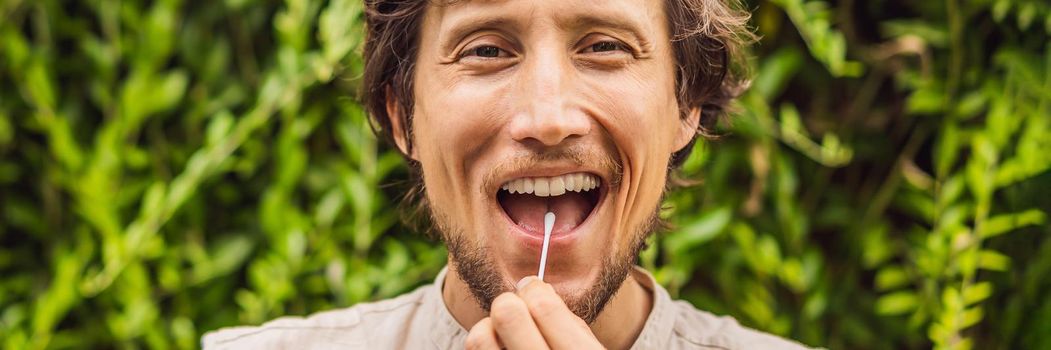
(396, 124)
(687, 129)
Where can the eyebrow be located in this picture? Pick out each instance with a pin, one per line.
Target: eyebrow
(470, 24)
(579, 22)
(589, 20)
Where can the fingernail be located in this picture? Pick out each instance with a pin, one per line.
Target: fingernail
(524, 282)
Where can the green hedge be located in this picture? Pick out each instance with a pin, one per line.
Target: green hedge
(170, 167)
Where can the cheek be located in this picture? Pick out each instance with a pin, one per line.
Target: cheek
(453, 124)
(641, 116)
(638, 108)
(640, 119)
(462, 115)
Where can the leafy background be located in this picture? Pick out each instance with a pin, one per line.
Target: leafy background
(171, 167)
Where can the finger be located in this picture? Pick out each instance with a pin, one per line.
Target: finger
(482, 336)
(560, 327)
(513, 324)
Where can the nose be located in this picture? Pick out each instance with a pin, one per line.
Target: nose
(546, 113)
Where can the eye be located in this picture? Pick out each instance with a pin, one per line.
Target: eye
(605, 52)
(485, 51)
(606, 46)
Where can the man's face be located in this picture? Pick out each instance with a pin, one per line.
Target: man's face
(525, 107)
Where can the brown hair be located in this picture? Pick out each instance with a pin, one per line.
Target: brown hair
(707, 37)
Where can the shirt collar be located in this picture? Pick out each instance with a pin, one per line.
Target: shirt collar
(659, 325)
(446, 333)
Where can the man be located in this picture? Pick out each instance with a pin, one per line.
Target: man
(512, 109)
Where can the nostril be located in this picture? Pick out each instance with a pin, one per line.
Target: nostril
(550, 130)
(548, 135)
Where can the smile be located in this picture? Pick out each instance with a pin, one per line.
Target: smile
(573, 198)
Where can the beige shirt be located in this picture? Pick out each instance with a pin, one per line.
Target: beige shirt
(420, 320)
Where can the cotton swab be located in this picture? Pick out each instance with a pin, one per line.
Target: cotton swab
(549, 223)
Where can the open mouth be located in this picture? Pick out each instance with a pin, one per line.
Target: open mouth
(572, 197)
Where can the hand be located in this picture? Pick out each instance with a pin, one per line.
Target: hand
(534, 317)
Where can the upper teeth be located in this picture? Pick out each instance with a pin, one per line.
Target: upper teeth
(552, 186)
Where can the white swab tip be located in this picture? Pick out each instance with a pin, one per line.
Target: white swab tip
(549, 222)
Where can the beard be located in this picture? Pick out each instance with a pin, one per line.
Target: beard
(477, 268)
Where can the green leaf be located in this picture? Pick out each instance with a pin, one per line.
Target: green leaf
(41, 89)
(878, 248)
(1000, 9)
(337, 29)
(769, 254)
(971, 317)
(7, 131)
(994, 261)
(701, 230)
(897, 303)
(826, 44)
(891, 277)
(145, 94)
(980, 178)
(930, 33)
(977, 293)
(947, 150)
(791, 272)
(1026, 15)
(1003, 223)
(1047, 23)
(777, 70)
(227, 255)
(219, 128)
(951, 302)
(971, 104)
(929, 99)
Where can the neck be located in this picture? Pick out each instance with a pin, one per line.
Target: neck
(617, 326)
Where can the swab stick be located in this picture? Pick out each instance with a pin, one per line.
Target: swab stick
(549, 223)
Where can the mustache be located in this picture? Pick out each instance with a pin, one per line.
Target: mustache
(577, 154)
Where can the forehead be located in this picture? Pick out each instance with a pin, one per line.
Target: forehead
(635, 15)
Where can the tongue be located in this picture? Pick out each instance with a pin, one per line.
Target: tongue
(528, 210)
